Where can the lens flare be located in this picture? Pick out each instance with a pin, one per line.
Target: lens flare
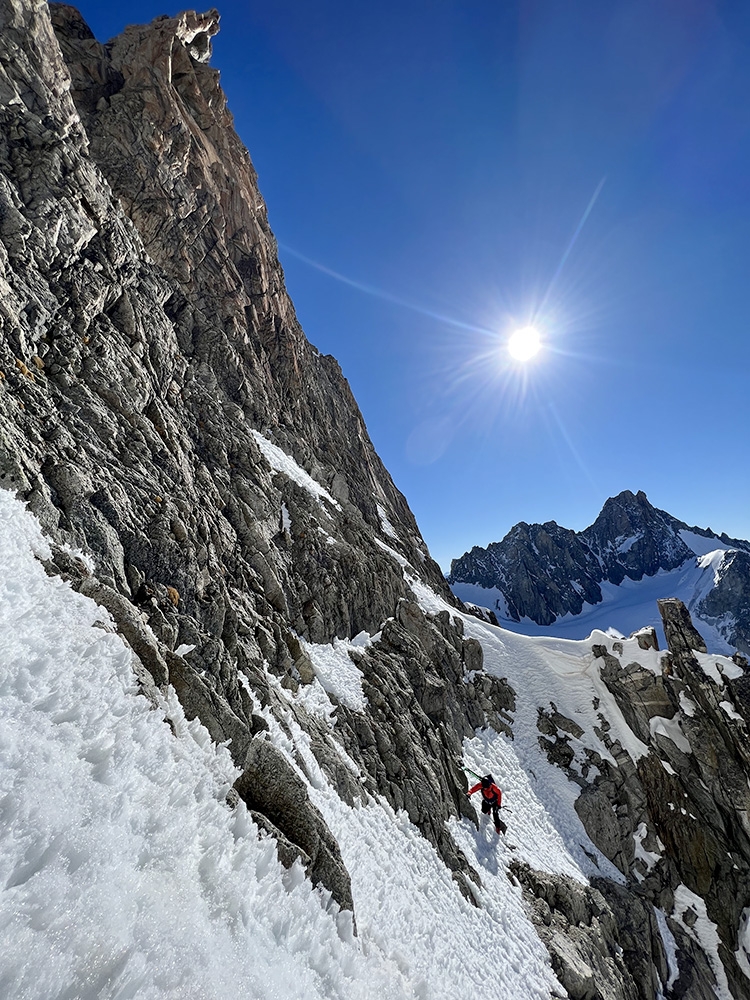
(524, 343)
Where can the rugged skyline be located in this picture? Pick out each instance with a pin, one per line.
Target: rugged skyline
(545, 578)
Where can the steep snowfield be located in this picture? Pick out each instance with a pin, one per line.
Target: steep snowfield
(544, 824)
(564, 673)
(624, 608)
(124, 874)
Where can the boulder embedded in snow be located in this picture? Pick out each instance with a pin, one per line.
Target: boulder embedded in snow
(646, 638)
(270, 785)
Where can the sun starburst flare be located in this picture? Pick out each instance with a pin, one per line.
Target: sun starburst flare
(524, 344)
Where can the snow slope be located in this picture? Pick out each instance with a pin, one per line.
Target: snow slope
(544, 824)
(124, 873)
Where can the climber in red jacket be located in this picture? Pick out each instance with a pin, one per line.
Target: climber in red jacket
(492, 799)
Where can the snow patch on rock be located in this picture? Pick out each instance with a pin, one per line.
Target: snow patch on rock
(704, 932)
(281, 462)
(337, 672)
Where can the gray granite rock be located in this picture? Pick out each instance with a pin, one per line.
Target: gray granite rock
(270, 786)
(682, 636)
(684, 805)
(148, 348)
(727, 604)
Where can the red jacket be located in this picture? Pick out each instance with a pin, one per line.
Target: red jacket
(493, 794)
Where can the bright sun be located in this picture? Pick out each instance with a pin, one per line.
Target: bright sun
(524, 343)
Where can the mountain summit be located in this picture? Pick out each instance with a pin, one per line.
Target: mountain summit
(543, 572)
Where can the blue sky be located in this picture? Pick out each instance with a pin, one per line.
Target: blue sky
(442, 155)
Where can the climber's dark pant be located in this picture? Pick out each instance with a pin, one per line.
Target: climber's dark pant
(491, 807)
(488, 807)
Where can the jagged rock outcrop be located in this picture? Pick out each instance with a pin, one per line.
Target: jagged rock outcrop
(421, 708)
(682, 636)
(539, 568)
(545, 571)
(270, 787)
(673, 818)
(594, 956)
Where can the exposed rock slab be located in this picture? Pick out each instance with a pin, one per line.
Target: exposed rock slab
(270, 786)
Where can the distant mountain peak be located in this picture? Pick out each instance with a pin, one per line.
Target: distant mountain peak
(544, 571)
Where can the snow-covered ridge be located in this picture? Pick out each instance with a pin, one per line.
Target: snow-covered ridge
(701, 545)
(624, 608)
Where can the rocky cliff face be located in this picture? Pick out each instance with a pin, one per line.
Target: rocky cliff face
(545, 571)
(160, 407)
(728, 603)
(671, 810)
(163, 414)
